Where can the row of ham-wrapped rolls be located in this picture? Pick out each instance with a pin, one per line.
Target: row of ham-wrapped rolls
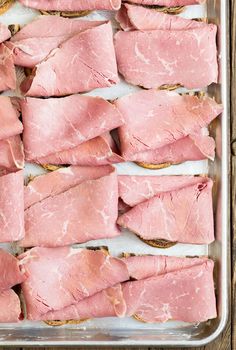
(79, 137)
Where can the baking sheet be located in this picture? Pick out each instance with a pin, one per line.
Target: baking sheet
(120, 329)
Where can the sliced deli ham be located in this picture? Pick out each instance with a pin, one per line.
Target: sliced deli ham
(11, 274)
(7, 69)
(161, 118)
(145, 59)
(84, 212)
(5, 33)
(184, 215)
(70, 275)
(11, 149)
(36, 40)
(11, 155)
(194, 289)
(59, 181)
(169, 3)
(10, 310)
(91, 58)
(107, 303)
(86, 117)
(145, 266)
(136, 189)
(9, 119)
(133, 17)
(71, 5)
(12, 207)
(185, 295)
(189, 148)
(100, 150)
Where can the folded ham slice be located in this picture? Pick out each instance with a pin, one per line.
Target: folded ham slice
(86, 117)
(88, 55)
(145, 59)
(82, 213)
(71, 5)
(70, 276)
(137, 189)
(107, 303)
(169, 3)
(12, 207)
(189, 148)
(145, 266)
(98, 151)
(7, 69)
(184, 215)
(59, 181)
(9, 119)
(185, 295)
(192, 299)
(11, 149)
(133, 17)
(110, 302)
(10, 271)
(11, 155)
(5, 33)
(10, 310)
(37, 39)
(162, 118)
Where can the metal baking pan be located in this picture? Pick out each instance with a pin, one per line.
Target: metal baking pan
(127, 332)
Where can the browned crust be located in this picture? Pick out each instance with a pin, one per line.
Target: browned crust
(158, 243)
(170, 87)
(154, 166)
(66, 14)
(14, 28)
(5, 5)
(28, 71)
(103, 248)
(138, 318)
(170, 10)
(51, 167)
(62, 323)
(127, 255)
(30, 178)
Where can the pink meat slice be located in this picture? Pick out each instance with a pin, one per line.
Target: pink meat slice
(145, 266)
(133, 17)
(59, 181)
(5, 33)
(189, 148)
(71, 5)
(107, 303)
(184, 216)
(85, 212)
(9, 119)
(134, 189)
(145, 59)
(169, 3)
(10, 310)
(7, 69)
(36, 40)
(184, 295)
(89, 55)
(117, 300)
(162, 117)
(70, 275)
(100, 150)
(73, 120)
(12, 207)
(11, 155)
(10, 271)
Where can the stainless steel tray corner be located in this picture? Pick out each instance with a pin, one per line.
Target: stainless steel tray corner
(117, 333)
